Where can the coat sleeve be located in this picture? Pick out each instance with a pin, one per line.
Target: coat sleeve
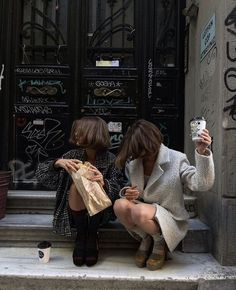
(201, 177)
(47, 175)
(113, 181)
(127, 183)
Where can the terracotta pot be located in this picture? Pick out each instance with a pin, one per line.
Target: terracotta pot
(5, 177)
(4, 173)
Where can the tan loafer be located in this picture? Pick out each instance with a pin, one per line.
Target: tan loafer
(141, 258)
(156, 261)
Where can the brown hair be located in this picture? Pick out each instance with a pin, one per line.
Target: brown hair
(141, 139)
(90, 132)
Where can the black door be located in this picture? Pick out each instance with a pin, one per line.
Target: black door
(118, 59)
(131, 64)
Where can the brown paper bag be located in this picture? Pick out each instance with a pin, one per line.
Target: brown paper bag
(92, 193)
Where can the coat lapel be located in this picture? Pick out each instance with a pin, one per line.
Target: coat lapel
(136, 169)
(163, 157)
(136, 174)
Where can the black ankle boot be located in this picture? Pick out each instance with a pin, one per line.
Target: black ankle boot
(92, 240)
(81, 222)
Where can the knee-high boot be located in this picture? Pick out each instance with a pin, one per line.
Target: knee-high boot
(92, 239)
(81, 223)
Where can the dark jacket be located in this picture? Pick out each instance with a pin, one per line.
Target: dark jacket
(59, 180)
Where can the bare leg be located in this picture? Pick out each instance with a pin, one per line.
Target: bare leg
(141, 215)
(75, 200)
(123, 209)
(138, 218)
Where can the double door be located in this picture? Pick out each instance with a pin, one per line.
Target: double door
(118, 59)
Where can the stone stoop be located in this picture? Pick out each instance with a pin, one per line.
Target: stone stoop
(29, 220)
(21, 270)
(26, 230)
(29, 201)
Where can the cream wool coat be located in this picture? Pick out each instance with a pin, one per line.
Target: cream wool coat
(171, 173)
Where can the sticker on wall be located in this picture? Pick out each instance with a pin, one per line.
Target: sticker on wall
(208, 37)
(108, 63)
(115, 127)
(39, 122)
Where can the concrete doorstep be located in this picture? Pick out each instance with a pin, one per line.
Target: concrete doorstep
(21, 270)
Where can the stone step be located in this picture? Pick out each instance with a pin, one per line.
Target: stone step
(28, 229)
(20, 269)
(28, 201)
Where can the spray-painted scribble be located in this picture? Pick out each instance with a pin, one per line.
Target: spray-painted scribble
(37, 100)
(228, 51)
(22, 171)
(105, 83)
(231, 20)
(44, 110)
(150, 77)
(230, 79)
(1, 76)
(44, 138)
(210, 68)
(230, 73)
(38, 140)
(91, 101)
(231, 108)
(97, 111)
(38, 70)
(105, 92)
(41, 87)
(116, 140)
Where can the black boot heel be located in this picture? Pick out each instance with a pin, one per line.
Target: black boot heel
(79, 253)
(92, 251)
(92, 239)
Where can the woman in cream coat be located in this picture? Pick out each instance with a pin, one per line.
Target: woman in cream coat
(152, 206)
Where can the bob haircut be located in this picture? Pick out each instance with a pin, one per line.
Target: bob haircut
(90, 132)
(141, 139)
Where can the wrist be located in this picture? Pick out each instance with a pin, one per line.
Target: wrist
(55, 164)
(201, 152)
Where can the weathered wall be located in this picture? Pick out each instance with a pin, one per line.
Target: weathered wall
(211, 92)
(228, 158)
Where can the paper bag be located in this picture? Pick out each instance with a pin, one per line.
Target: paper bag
(92, 193)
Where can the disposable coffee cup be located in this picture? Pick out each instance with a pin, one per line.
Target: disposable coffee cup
(44, 249)
(197, 125)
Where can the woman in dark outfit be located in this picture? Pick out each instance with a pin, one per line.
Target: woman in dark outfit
(91, 136)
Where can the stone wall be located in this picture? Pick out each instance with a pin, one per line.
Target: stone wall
(211, 92)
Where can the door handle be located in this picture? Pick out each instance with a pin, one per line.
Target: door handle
(1, 76)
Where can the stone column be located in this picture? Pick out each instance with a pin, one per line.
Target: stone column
(211, 92)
